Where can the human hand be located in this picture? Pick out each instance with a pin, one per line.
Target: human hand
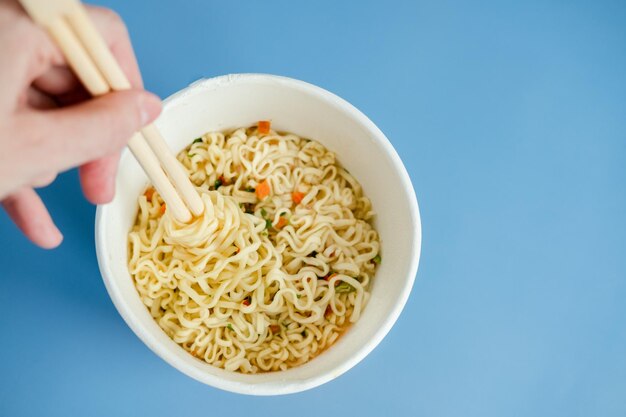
(49, 123)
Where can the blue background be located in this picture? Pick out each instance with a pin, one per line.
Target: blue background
(509, 116)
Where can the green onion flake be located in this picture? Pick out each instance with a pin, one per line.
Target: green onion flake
(218, 184)
(230, 326)
(377, 259)
(198, 140)
(344, 287)
(268, 224)
(264, 213)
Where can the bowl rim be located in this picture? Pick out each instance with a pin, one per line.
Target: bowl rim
(279, 387)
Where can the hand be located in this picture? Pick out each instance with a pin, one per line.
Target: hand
(48, 122)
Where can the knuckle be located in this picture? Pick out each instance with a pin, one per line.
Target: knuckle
(12, 16)
(22, 33)
(27, 43)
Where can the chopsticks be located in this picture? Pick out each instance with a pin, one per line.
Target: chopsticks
(67, 22)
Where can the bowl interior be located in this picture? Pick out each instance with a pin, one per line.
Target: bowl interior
(306, 110)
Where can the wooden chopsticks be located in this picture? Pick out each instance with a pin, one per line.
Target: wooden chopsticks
(89, 57)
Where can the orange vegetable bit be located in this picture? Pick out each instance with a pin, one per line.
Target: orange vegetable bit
(246, 302)
(282, 222)
(163, 207)
(149, 193)
(297, 197)
(328, 312)
(274, 328)
(264, 127)
(262, 190)
(329, 276)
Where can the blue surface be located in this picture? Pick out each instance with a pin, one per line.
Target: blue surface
(510, 117)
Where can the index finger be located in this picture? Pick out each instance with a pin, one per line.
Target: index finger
(59, 80)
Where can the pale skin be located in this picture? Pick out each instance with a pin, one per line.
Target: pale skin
(48, 122)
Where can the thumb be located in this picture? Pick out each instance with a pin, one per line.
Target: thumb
(74, 135)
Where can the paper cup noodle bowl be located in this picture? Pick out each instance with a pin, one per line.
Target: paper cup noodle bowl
(294, 106)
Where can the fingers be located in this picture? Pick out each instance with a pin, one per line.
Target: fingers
(35, 99)
(47, 68)
(111, 27)
(56, 81)
(71, 136)
(98, 179)
(31, 216)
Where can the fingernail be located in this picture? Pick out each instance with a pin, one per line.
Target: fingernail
(149, 107)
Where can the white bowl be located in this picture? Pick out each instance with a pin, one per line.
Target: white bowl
(304, 109)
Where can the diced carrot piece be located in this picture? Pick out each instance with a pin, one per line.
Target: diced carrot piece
(264, 127)
(262, 190)
(329, 311)
(274, 328)
(297, 197)
(282, 222)
(162, 208)
(149, 193)
(329, 276)
(246, 302)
